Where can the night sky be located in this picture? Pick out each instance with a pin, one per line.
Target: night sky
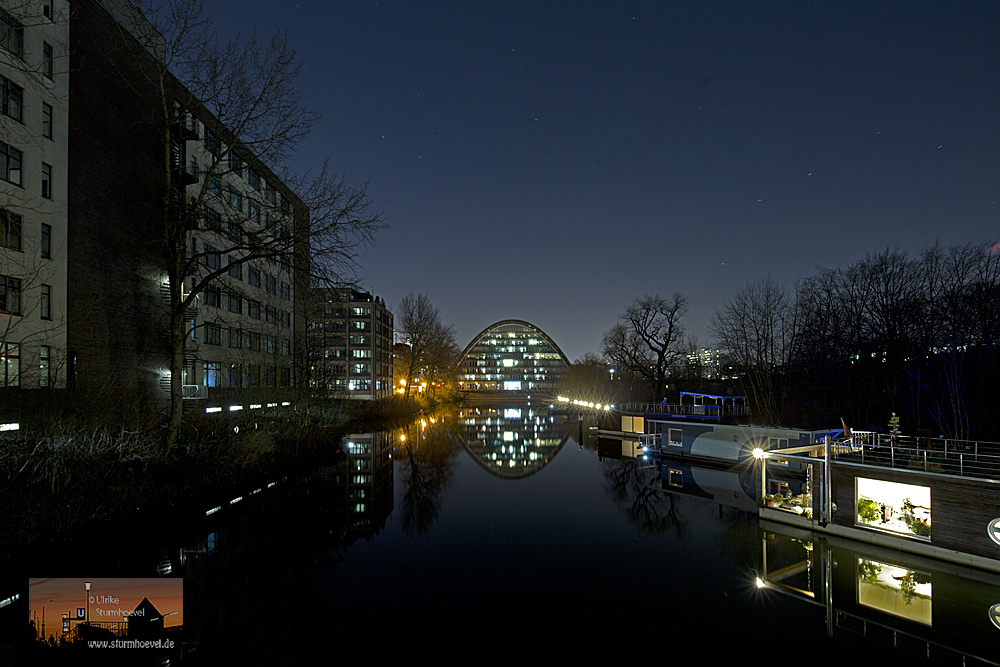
(551, 161)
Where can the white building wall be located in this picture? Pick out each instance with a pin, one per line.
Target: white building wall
(42, 139)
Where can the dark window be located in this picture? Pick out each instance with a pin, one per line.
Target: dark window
(47, 180)
(213, 297)
(10, 295)
(10, 230)
(235, 338)
(254, 179)
(213, 219)
(11, 34)
(46, 120)
(235, 198)
(286, 291)
(235, 303)
(253, 341)
(47, 58)
(46, 304)
(46, 241)
(235, 268)
(235, 164)
(10, 164)
(47, 9)
(213, 259)
(211, 142)
(214, 185)
(213, 334)
(253, 210)
(13, 99)
(253, 309)
(253, 276)
(271, 283)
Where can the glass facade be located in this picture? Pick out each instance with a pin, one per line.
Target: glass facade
(512, 356)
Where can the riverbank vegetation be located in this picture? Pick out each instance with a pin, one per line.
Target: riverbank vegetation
(67, 476)
(917, 336)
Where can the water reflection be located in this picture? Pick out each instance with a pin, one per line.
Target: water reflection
(919, 606)
(426, 454)
(512, 441)
(400, 540)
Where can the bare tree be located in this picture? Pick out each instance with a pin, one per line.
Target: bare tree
(647, 341)
(229, 116)
(433, 351)
(758, 329)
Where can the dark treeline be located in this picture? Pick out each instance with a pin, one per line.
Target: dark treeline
(915, 335)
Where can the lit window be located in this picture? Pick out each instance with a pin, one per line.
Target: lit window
(895, 507)
(10, 365)
(44, 366)
(212, 371)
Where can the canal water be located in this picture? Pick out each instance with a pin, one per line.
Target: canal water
(511, 532)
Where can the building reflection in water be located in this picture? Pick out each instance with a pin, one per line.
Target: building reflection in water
(512, 441)
(247, 577)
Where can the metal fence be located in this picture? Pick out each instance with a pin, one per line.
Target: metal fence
(966, 458)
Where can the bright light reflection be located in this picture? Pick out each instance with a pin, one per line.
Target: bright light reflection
(759, 453)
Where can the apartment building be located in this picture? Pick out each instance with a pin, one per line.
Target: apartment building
(350, 344)
(148, 199)
(34, 84)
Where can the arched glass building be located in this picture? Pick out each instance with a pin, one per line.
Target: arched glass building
(511, 356)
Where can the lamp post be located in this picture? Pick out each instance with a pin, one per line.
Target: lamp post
(87, 585)
(760, 455)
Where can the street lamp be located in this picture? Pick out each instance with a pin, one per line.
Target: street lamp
(87, 585)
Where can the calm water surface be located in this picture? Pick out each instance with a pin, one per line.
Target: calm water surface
(502, 533)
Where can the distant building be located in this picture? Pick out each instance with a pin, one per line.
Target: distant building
(511, 356)
(707, 362)
(350, 344)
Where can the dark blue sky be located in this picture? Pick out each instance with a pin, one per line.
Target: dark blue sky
(551, 161)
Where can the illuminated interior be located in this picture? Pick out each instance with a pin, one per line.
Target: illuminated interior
(895, 590)
(895, 507)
